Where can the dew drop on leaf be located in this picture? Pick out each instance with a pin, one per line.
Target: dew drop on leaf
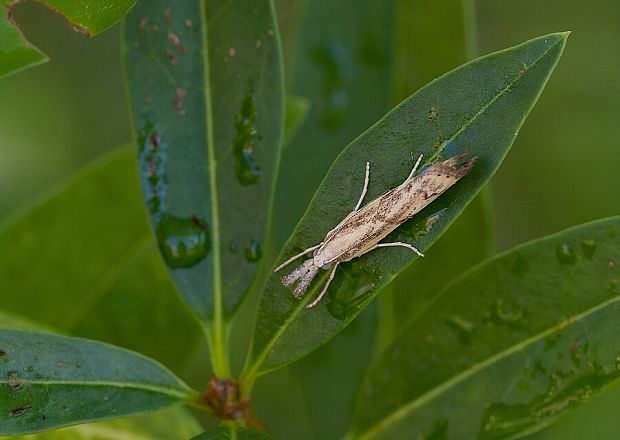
(247, 170)
(350, 288)
(565, 254)
(183, 242)
(588, 247)
(462, 328)
(253, 251)
(504, 313)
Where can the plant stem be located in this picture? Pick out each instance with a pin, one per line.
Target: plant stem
(217, 338)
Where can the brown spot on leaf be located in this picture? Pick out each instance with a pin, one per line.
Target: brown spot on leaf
(180, 93)
(144, 22)
(168, 15)
(172, 58)
(20, 409)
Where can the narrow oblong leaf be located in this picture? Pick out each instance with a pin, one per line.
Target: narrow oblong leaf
(422, 51)
(339, 61)
(475, 109)
(48, 381)
(89, 17)
(508, 347)
(232, 432)
(169, 424)
(205, 85)
(82, 260)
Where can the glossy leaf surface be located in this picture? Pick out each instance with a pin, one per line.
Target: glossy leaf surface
(477, 108)
(48, 381)
(88, 16)
(339, 61)
(169, 424)
(422, 51)
(207, 104)
(508, 347)
(82, 260)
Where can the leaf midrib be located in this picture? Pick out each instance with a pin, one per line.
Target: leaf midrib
(179, 393)
(218, 300)
(455, 380)
(273, 341)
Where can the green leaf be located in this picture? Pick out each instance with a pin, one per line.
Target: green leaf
(340, 62)
(50, 381)
(16, 53)
(232, 432)
(296, 113)
(422, 51)
(89, 17)
(479, 108)
(207, 106)
(416, 286)
(342, 50)
(169, 424)
(508, 347)
(328, 403)
(10, 320)
(82, 260)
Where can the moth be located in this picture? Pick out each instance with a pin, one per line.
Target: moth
(361, 230)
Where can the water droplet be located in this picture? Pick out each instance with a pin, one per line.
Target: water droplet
(461, 327)
(423, 227)
(14, 381)
(613, 286)
(507, 314)
(253, 251)
(351, 288)
(565, 391)
(588, 247)
(183, 242)
(565, 254)
(449, 149)
(246, 168)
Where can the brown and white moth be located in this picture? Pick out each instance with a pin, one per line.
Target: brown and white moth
(362, 229)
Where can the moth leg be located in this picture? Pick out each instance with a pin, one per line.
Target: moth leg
(290, 260)
(366, 180)
(401, 244)
(415, 167)
(324, 291)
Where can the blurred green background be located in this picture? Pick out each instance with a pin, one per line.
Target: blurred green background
(563, 170)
